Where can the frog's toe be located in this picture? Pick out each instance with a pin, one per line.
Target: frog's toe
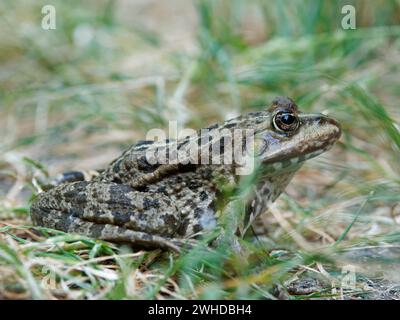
(74, 176)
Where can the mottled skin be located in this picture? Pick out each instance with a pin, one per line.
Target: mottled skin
(164, 205)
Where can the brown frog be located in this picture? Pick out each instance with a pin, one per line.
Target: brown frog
(144, 202)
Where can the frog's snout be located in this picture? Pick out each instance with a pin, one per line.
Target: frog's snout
(331, 126)
(320, 132)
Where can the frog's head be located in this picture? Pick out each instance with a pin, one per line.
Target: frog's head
(288, 137)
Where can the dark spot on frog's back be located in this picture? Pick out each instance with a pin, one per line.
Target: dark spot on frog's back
(119, 194)
(194, 184)
(203, 195)
(149, 203)
(162, 189)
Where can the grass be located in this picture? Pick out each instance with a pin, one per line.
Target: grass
(75, 97)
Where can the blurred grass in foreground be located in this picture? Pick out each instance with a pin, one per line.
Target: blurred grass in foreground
(74, 97)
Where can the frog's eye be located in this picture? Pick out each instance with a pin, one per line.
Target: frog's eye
(285, 121)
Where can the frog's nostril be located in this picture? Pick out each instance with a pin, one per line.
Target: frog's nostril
(333, 122)
(335, 126)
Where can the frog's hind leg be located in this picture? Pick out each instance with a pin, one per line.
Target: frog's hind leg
(111, 212)
(107, 232)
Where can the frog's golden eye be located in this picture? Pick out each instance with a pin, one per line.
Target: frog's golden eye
(285, 121)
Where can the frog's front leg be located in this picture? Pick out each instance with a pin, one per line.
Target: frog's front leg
(110, 211)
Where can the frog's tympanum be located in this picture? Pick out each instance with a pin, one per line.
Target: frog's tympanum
(139, 201)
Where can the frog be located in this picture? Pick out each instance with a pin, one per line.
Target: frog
(167, 204)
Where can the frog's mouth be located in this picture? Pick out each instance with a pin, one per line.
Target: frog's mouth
(316, 134)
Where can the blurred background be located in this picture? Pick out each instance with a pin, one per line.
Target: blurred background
(75, 97)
